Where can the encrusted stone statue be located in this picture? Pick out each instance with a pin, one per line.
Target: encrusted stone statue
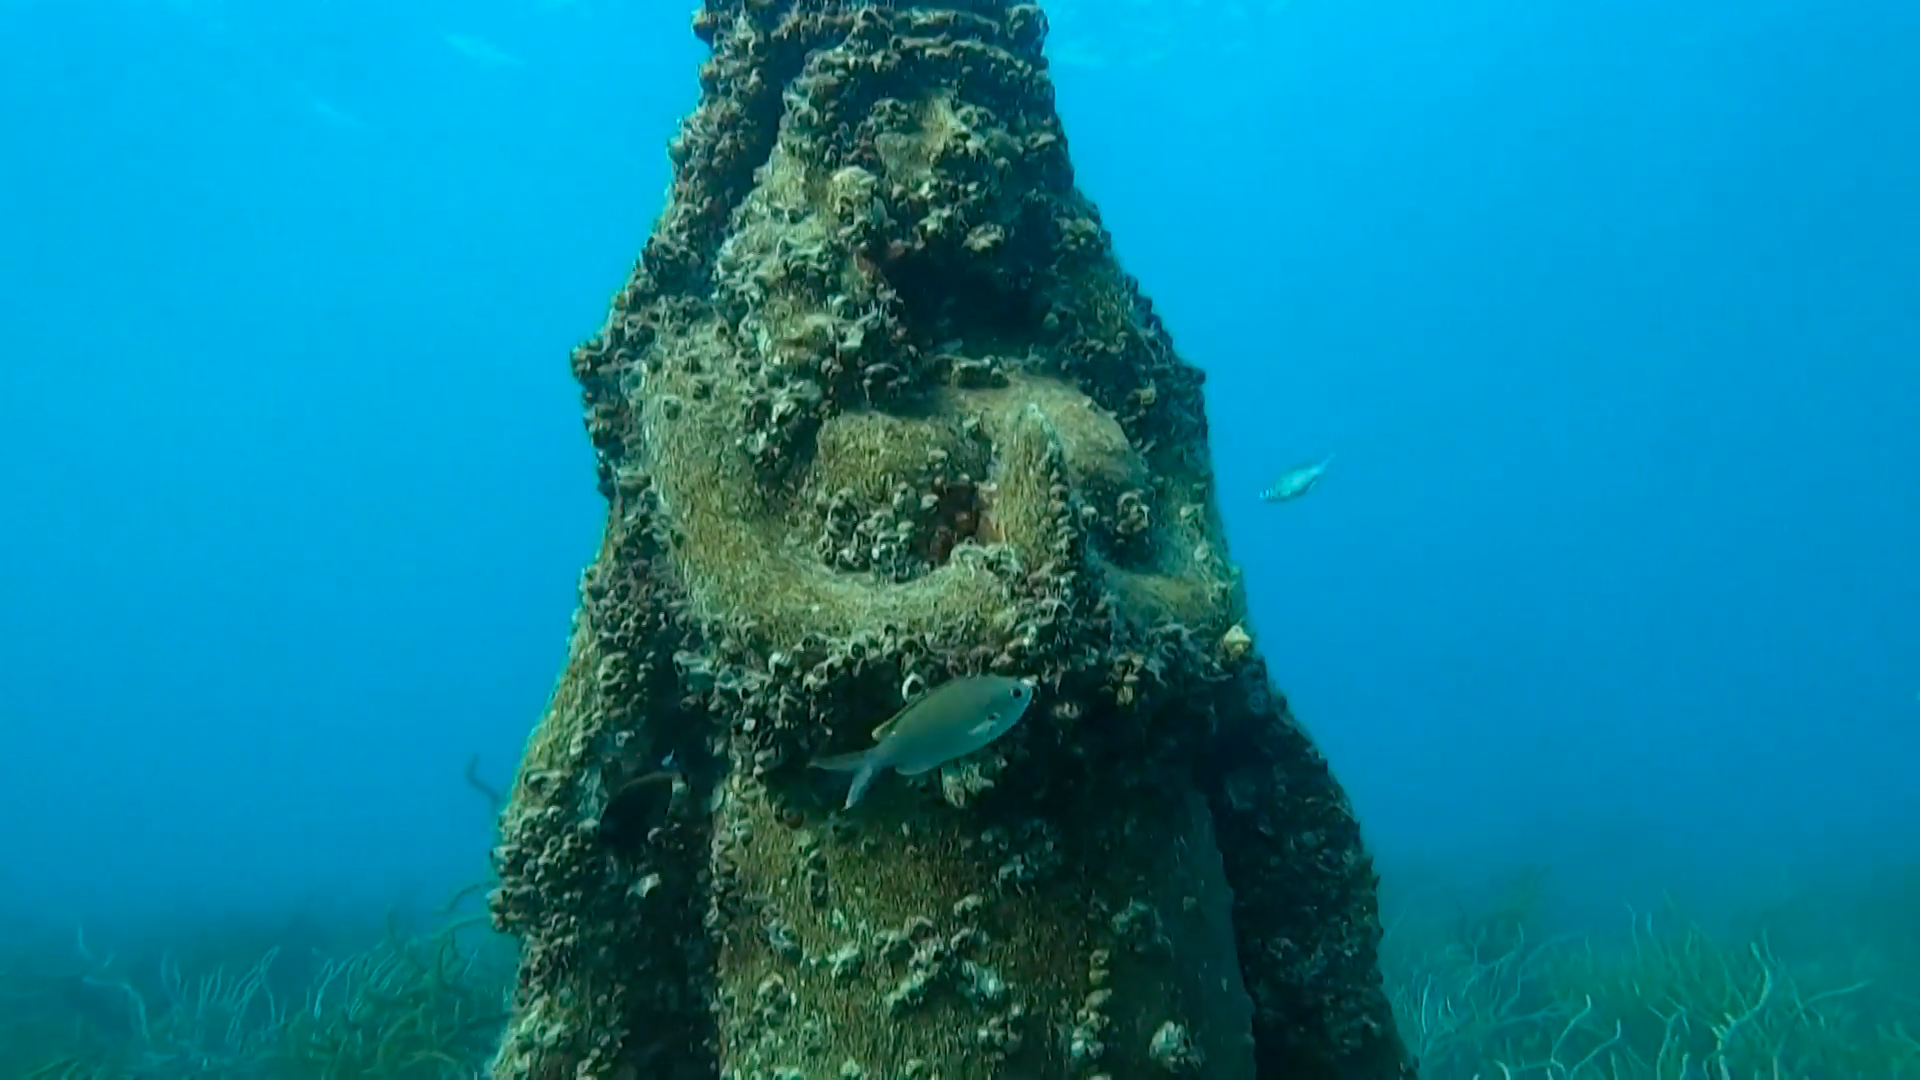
(878, 410)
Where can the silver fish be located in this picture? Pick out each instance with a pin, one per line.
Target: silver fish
(952, 720)
(1296, 481)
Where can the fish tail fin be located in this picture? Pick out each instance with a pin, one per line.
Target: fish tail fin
(840, 762)
(864, 766)
(862, 779)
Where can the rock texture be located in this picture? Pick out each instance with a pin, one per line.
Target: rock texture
(877, 407)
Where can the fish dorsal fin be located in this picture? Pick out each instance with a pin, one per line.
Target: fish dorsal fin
(893, 721)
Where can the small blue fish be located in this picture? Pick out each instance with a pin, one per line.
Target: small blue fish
(954, 719)
(1296, 481)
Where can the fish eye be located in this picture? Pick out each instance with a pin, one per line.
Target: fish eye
(1019, 692)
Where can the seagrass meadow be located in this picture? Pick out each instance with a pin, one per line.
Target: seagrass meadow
(876, 408)
(1484, 983)
(311, 996)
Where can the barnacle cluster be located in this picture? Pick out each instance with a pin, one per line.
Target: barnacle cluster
(878, 406)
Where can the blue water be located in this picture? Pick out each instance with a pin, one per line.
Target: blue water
(1611, 312)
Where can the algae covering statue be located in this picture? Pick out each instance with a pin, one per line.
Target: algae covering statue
(877, 411)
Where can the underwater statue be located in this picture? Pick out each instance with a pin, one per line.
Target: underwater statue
(878, 412)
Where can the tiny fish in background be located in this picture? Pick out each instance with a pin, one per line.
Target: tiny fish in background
(1296, 481)
(480, 50)
(953, 720)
